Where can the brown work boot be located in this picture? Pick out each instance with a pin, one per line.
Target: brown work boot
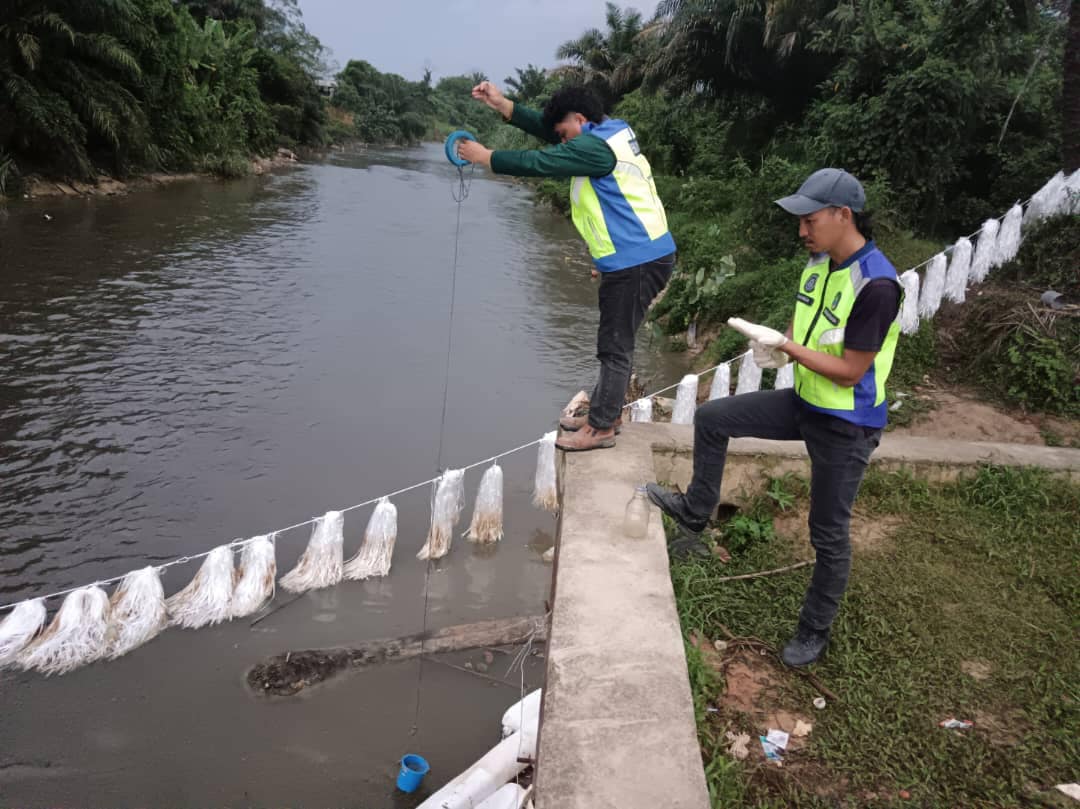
(588, 437)
(572, 424)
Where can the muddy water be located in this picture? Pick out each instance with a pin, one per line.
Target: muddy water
(184, 366)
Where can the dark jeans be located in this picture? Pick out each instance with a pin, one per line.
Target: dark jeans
(839, 453)
(625, 296)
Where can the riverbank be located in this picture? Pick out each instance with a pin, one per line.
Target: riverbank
(38, 187)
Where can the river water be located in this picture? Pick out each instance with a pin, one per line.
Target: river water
(206, 361)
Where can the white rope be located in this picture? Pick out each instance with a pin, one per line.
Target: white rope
(238, 543)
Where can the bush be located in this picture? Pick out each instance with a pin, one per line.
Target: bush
(1017, 351)
(229, 166)
(738, 252)
(1033, 371)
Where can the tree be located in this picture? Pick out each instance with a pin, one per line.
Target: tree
(289, 60)
(529, 82)
(125, 85)
(386, 107)
(712, 47)
(610, 60)
(70, 84)
(919, 98)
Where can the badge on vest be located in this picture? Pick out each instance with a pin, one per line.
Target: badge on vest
(836, 300)
(804, 299)
(829, 316)
(811, 282)
(633, 144)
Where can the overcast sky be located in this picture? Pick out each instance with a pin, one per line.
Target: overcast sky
(453, 36)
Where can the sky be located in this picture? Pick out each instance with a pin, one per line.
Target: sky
(453, 36)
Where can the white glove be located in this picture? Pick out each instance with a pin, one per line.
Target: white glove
(768, 357)
(769, 338)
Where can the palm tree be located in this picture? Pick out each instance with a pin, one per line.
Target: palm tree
(529, 82)
(69, 80)
(709, 46)
(609, 60)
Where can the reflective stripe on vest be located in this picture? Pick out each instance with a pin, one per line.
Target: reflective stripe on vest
(620, 216)
(822, 307)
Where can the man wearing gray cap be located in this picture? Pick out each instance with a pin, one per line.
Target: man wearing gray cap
(843, 338)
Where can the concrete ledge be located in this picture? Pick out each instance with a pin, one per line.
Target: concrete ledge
(617, 724)
(751, 460)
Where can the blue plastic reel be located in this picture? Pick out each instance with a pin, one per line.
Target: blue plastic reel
(451, 146)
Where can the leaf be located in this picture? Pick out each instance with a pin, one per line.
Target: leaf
(29, 49)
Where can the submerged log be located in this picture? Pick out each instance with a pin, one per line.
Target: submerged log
(284, 675)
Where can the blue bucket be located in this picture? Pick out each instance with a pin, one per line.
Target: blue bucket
(450, 146)
(413, 770)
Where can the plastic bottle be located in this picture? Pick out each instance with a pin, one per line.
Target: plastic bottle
(636, 519)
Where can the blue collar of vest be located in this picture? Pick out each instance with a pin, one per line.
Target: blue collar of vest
(863, 251)
(605, 129)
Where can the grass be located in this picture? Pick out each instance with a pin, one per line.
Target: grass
(1052, 437)
(980, 570)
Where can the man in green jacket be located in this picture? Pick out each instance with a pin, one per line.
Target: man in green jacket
(619, 214)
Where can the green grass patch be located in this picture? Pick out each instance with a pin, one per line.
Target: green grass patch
(983, 572)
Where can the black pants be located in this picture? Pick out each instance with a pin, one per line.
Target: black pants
(625, 296)
(839, 453)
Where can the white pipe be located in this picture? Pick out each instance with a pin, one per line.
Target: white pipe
(525, 713)
(483, 779)
(510, 796)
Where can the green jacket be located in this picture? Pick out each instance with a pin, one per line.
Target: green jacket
(584, 156)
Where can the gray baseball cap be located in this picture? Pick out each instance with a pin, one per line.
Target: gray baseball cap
(825, 188)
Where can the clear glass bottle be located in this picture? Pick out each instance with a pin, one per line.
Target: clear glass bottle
(636, 519)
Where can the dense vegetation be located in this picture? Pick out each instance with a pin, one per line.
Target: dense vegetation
(379, 107)
(124, 86)
(129, 85)
(948, 111)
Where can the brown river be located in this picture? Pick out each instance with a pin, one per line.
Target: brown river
(205, 361)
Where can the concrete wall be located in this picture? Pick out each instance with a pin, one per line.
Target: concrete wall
(617, 726)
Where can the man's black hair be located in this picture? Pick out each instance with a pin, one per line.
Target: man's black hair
(864, 223)
(577, 99)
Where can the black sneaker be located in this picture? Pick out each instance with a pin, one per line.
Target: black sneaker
(674, 505)
(805, 648)
(686, 546)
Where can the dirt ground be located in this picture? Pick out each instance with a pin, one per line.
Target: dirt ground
(868, 534)
(962, 415)
(755, 701)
